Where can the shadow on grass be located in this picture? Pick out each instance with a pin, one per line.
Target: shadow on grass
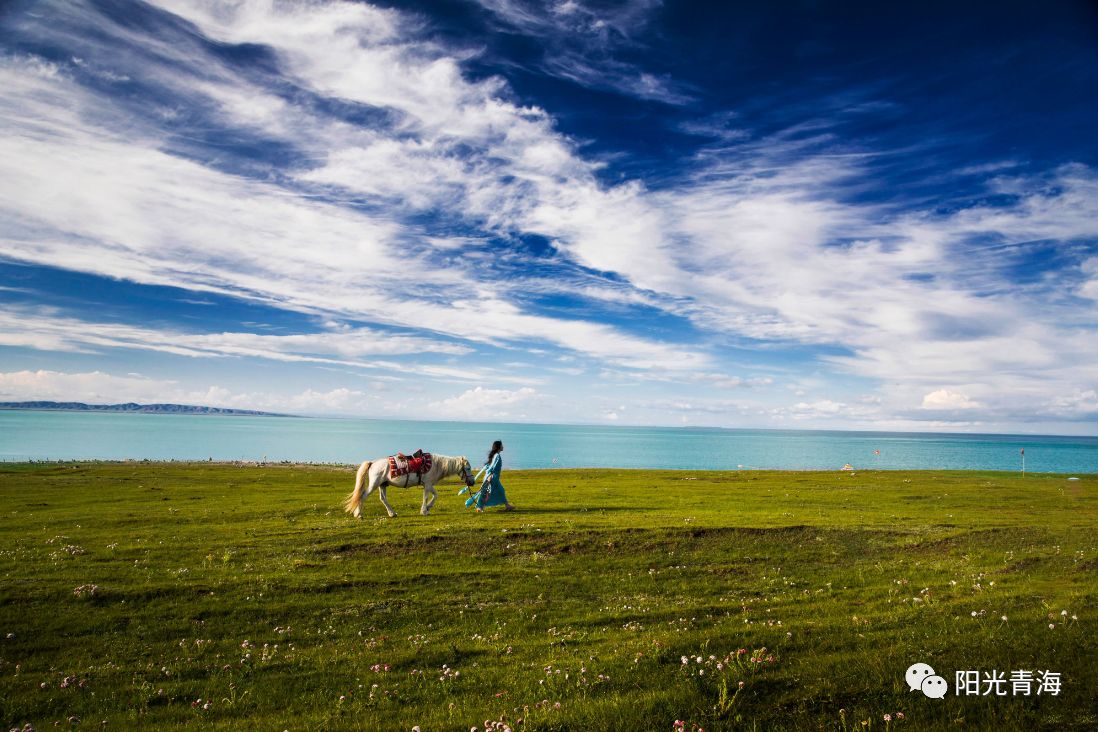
(602, 509)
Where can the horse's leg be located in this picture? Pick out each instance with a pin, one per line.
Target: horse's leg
(429, 497)
(385, 502)
(370, 482)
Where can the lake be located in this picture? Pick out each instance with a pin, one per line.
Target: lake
(43, 435)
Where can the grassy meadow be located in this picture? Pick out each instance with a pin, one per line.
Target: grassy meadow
(210, 596)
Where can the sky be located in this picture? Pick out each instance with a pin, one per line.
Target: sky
(793, 215)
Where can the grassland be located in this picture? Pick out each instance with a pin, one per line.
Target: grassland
(155, 596)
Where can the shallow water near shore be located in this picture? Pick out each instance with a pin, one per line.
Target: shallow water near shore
(33, 435)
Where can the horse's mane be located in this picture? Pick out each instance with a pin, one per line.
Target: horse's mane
(449, 464)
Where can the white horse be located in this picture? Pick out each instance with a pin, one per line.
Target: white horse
(375, 474)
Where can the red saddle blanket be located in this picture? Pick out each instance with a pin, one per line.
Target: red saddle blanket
(403, 465)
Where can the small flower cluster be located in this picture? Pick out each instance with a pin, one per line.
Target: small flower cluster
(28, 727)
(448, 674)
(203, 705)
(697, 665)
(498, 725)
(681, 624)
(86, 591)
(924, 594)
(680, 726)
(380, 668)
(72, 681)
(375, 693)
(1063, 618)
(898, 716)
(268, 652)
(198, 642)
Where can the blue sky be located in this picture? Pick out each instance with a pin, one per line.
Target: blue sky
(789, 215)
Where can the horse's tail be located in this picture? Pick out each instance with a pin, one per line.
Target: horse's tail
(354, 501)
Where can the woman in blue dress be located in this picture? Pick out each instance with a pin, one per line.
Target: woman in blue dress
(491, 491)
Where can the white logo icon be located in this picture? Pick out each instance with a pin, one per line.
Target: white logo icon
(921, 677)
(935, 687)
(916, 673)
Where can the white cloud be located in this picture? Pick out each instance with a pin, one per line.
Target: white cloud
(117, 206)
(1089, 287)
(1081, 403)
(90, 387)
(480, 404)
(946, 399)
(580, 43)
(821, 408)
(753, 248)
(361, 347)
(97, 387)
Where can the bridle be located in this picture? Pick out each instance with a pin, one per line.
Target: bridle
(465, 476)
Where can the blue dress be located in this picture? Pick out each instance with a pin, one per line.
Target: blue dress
(491, 491)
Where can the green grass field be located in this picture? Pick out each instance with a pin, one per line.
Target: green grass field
(145, 595)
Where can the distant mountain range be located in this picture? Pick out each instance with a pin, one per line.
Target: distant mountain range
(140, 408)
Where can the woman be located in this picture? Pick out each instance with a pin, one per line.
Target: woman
(491, 491)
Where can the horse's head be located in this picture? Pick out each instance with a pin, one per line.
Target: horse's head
(466, 471)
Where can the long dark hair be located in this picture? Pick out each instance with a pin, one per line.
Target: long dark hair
(496, 447)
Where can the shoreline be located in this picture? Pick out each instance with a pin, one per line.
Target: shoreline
(350, 467)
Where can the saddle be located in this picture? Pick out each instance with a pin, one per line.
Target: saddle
(400, 464)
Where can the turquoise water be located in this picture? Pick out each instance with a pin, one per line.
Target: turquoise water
(26, 435)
